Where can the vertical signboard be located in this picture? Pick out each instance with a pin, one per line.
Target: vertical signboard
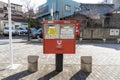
(114, 32)
(111, 32)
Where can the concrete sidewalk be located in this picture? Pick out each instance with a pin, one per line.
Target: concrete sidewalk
(106, 62)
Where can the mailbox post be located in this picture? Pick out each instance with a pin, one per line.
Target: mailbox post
(59, 62)
(59, 37)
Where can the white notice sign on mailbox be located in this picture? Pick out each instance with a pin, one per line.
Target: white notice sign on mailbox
(67, 32)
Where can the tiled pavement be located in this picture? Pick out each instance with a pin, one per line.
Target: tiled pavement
(106, 61)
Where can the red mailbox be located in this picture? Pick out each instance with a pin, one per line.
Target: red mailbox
(59, 37)
(77, 30)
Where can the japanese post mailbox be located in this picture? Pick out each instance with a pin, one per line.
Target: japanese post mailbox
(59, 37)
(77, 30)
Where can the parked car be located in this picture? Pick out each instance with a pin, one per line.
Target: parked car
(37, 34)
(33, 32)
(6, 31)
(21, 31)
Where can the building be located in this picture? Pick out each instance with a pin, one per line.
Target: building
(3, 8)
(16, 14)
(92, 15)
(97, 20)
(116, 3)
(15, 9)
(61, 8)
(112, 19)
(107, 1)
(17, 21)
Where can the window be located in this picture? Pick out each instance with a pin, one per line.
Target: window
(13, 8)
(67, 7)
(80, 8)
(7, 28)
(118, 5)
(76, 9)
(118, 11)
(5, 8)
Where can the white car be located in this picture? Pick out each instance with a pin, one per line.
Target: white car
(6, 31)
(21, 31)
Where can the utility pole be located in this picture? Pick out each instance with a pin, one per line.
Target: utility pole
(52, 12)
(62, 8)
(12, 66)
(10, 33)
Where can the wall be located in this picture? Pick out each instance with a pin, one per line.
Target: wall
(2, 4)
(2, 9)
(115, 20)
(17, 17)
(16, 7)
(58, 7)
(79, 18)
(98, 33)
(16, 24)
(117, 3)
(62, 7)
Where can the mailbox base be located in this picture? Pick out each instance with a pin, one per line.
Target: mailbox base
(59, 62)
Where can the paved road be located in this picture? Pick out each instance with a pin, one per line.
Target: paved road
(5, 39)
(106, 61)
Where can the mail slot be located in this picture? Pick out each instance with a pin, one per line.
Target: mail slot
(59, 37)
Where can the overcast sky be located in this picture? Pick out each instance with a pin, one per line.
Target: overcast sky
(39, 2)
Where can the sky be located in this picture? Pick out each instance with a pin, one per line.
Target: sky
(40, 2)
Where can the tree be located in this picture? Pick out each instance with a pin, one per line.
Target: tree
(28, 8)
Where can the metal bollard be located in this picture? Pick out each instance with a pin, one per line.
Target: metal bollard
(118, 40)
(33, 63)
(80, 39)
(104, 40)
